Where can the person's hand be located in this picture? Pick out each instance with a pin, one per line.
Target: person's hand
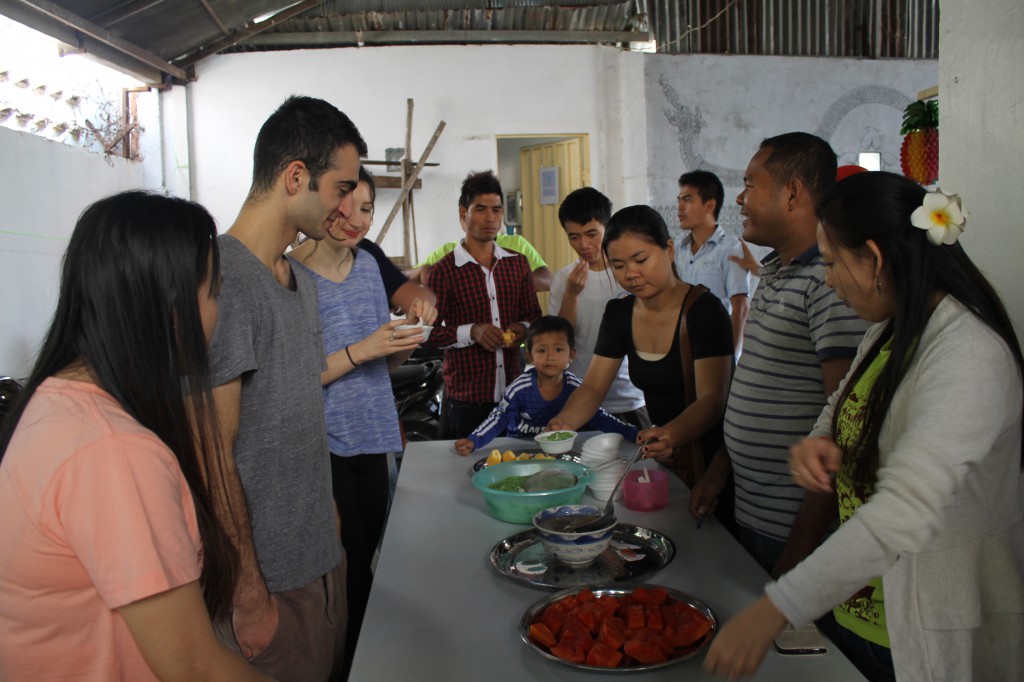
(813, 461)
(487, 336)
(464, 446)
(748, 262)
(659, 444)
(386, 340)
(519, 332)
(705, 492)
(557, 424)
(739, 649)
(577, 279)
(421, 312)
(254, 625)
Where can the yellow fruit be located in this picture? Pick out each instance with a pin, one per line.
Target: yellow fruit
(524, 455)
(494, 457)
(508, 337)
(508, 456)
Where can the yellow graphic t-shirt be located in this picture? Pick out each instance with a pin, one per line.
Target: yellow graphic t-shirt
(864, 612)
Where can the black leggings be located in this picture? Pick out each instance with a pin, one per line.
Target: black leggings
(361, 489)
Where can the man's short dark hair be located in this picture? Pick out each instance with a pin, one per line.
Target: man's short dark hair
(708, 186)
(583, 205)
(550, 324)
(804, 157)
(302, 129)
(475, 184)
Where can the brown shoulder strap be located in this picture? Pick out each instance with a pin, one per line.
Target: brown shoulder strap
(685, 352)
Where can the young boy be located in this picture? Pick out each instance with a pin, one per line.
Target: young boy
(540, 392)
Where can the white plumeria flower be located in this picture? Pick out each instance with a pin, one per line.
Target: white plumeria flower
(941, 215)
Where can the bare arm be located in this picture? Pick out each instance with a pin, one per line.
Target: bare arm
(542, 279)
(711, 382)
(255, 609)
(740, 307)
(173, 631)
(574, 285)
(585, 400)
(408, 293)
(818, 510)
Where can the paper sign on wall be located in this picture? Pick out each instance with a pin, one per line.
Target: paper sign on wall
(548, 185)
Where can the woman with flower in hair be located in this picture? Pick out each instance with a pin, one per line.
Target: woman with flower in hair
(922, 445)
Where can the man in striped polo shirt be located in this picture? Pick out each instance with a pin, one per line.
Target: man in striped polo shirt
(798, 343)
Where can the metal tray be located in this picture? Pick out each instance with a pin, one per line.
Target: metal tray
(522, 558)
(533, 614)
(571, 456)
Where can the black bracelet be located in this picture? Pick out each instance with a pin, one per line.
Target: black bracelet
(354, 363)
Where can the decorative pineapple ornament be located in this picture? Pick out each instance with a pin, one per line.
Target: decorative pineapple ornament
(919, 155)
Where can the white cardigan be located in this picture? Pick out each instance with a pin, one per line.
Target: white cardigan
(944, 527)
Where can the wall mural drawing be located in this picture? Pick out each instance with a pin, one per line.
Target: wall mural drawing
(689, 122)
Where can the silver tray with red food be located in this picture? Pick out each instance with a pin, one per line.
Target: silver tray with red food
(627, 628)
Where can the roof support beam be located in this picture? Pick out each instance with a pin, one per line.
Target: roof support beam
(49, 18)
(248, 31)
(358, 38)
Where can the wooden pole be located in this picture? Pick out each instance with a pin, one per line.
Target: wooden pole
(407, 186)
(406, 168)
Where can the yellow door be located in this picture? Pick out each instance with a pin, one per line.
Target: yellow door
(571, 158)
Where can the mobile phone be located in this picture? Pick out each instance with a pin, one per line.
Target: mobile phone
(805, 641)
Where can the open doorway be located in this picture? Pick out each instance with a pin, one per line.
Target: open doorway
(537, 172)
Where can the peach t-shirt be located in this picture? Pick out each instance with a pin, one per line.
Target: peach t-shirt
(94, 515)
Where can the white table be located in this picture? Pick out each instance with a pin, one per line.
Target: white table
(439, 611)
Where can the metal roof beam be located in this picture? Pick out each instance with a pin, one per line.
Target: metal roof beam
(47, 17)
(358, 38)
(246, 32)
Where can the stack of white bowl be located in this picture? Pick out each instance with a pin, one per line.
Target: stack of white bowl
(598, 451)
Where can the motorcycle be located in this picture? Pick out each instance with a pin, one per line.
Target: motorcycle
(418, 388)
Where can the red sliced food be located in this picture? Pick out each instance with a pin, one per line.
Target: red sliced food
(591, 614)
(603, 656)
(652, 612)
(540, 634)
(653, 595)
(610, 635)
(635, 616)
(553, 620)
(644, 651)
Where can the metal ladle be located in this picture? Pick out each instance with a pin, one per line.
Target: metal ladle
(609, 510)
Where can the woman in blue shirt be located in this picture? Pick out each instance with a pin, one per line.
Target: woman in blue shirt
(361, 342)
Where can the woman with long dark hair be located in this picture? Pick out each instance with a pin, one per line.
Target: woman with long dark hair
(113, 556)
(645, 327)
(923, 441)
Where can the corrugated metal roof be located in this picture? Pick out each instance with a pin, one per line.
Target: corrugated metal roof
(160, 39)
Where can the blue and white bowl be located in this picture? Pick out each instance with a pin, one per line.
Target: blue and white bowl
(573, 549)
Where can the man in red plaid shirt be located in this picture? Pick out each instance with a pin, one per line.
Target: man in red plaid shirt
(485, 302)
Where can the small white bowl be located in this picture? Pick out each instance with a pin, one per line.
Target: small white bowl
(426, 328)
(555, 447)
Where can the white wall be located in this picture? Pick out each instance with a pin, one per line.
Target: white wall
(981, 134)
(44, 186)
(711, 112)
(479, 91)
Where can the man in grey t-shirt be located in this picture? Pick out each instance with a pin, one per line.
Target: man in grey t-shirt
(273, 487)
(798, 343)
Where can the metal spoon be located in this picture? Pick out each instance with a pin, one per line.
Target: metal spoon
(609, 509)
(547, 480)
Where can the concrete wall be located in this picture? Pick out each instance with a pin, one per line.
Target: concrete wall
(44, 186)
(981, 138)
(712, 112)
(481, 92)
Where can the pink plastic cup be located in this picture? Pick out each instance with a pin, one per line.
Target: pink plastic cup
(642, 495)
